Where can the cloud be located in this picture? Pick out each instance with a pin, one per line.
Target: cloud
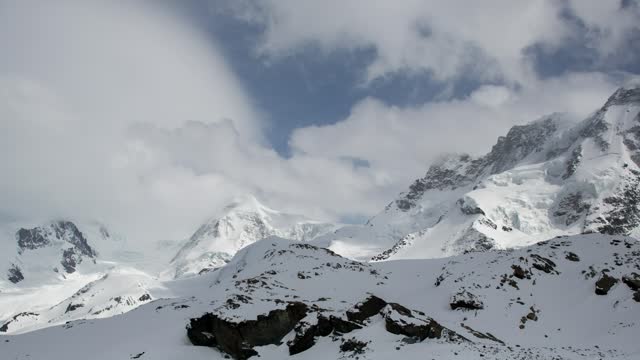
(448, 39)
(400, 143)
(78, 75)
(125, 113)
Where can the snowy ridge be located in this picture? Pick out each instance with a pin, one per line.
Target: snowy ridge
(538, 302)
(243, 222)
(544, 179)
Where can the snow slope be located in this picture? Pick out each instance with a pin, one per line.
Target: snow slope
(538, 302)
(241, 223)
(547, 178)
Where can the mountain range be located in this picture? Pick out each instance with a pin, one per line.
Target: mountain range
(527, 252)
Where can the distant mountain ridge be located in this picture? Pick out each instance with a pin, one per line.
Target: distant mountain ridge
(241, 223)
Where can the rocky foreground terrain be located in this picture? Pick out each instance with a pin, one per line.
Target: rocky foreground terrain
(574, 297)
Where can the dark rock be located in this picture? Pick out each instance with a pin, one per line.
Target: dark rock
(238, 339)
(38, 237)
(572, 162)
(70, 260)
(31, 239)
(481, 335)
(604, 284)
(466, 301)
(68, 230)
(343, 326)
(519, 272)
(15, 274)
(632, 281)
(353, 345)
(144, 297)
(306, 334)
(404, 323)
(624, 215)
(571, 256)
(366, 309)
(5, 326)
(636, 296)
(543, 264)
(469, 209)
(73, 307)
(571, 208)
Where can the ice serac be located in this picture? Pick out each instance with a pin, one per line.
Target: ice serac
(551, 177)
(241, 223)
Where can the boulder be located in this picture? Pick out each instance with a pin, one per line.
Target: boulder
(238, 339)
(366, 309)
(604, 284)
(466, 301)
(402, 321)
(632, 281)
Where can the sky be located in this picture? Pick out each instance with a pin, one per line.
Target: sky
(150, 116)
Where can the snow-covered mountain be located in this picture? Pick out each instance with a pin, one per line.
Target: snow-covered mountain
(52, 251)
(548, 178)
(568, 298)
(470, 270)
(241, 223)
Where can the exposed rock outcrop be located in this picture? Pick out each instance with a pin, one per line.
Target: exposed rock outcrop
(604, 284)
(238, 339)
(466, 301)
(15, 274)
(632, 281)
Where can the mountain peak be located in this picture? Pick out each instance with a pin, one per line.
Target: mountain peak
(245, 202)
(244, 221)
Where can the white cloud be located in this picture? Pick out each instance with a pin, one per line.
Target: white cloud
(77, 75)
(400, 143)
(122, 112)
(448, 38)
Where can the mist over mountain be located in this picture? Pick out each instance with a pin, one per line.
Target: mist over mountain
(336, 179)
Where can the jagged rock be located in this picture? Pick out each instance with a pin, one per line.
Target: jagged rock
(73, 307)
(572, 162)
(31, 239)
(238, 339)
(571, 256)
(571, 207)
(519, 272)
(15, 274)
(353, 345)
(144, 297)
(543, 264)
(636, 296)
(632, 281)
(5, 326)
(342, 326)
(366, 309)
(604, 284)
(306, 333)
(624, 215)
(401, 321)
(70, 260)
(466, 301)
